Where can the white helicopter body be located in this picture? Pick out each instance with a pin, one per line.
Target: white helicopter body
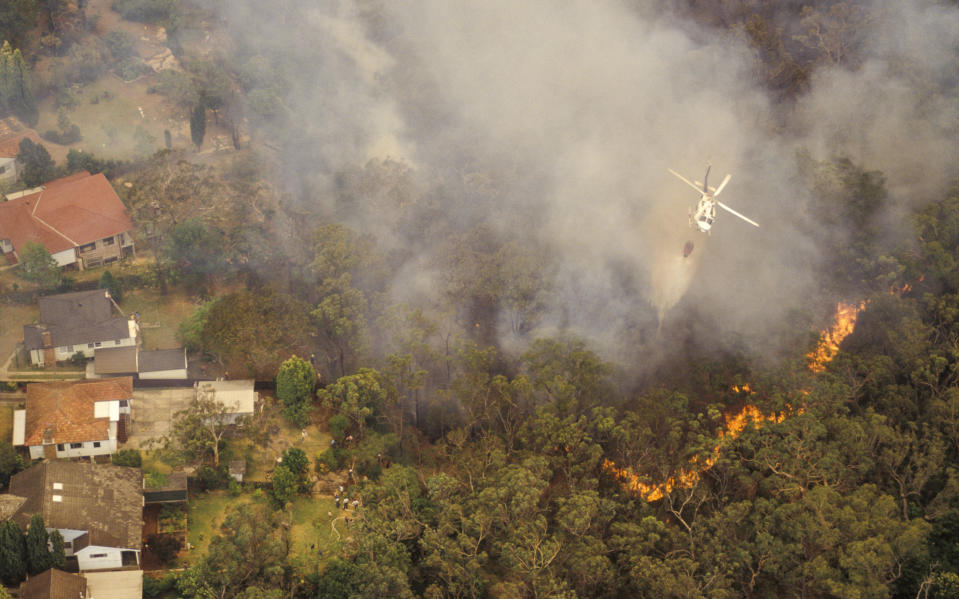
(705, 213)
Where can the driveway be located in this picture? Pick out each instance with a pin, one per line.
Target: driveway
(152, 413)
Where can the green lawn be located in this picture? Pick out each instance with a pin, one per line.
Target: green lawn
(314, 540)
(205, 514)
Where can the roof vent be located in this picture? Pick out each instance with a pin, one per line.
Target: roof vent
(57, 498)
(57, 486)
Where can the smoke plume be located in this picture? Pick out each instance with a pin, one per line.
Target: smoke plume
(554, 123)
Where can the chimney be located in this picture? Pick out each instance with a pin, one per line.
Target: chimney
(45, 337)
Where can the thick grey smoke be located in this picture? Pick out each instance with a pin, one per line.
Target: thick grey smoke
(554, 123)
(898, 112)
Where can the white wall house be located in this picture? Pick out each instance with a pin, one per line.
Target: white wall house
(75, 419)
(97, 557)
(82, 321)
(39, 356)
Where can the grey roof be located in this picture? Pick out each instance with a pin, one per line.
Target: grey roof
(237, 466)
(103, 499)
(162, 359)
(88, 306)
(76, 319)
(115, 360)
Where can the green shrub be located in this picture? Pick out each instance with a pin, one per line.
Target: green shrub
(120, 43)
(330, 459)
(127, 457)
(78, 359)
(65, 137)
(214, 478)
(154, 479)
(337, 426)
(144, 11)
(131, 68)
(154, 587)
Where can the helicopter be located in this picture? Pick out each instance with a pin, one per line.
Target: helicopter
(705, 213)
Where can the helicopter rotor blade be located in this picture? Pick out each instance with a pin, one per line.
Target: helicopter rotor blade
(730, 210)
(722, 185)
(706, 178)
(685, 180)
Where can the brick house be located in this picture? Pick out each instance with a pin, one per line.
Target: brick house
(78, 218)
(76, 419)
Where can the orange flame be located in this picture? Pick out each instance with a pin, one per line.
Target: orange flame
(688, 477)
(843, 324)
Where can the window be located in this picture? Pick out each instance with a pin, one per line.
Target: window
(70, 348)
(124, 403)
(96, 555)
(76, 445)
(60, 447)
(109, 241)
(90, 345)
(88, 247)
(3, 169)
(98, 343)
(96, 444)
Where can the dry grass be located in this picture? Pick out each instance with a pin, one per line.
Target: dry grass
(12, 319)
(160, 315)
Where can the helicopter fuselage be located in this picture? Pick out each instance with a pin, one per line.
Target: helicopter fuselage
(705, 214)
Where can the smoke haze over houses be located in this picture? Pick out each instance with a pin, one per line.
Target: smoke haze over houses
(554, 123)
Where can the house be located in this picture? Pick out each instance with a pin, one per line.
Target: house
(54, 584)
(98, 508)
(107, 584)
(81, 321)
(74, 419)
(12, 132)
(79, 219)
(145, 364)
(238, 396)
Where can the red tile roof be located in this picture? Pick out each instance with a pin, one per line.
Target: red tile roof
(11, 132)
(68, 212)
(63, 412)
